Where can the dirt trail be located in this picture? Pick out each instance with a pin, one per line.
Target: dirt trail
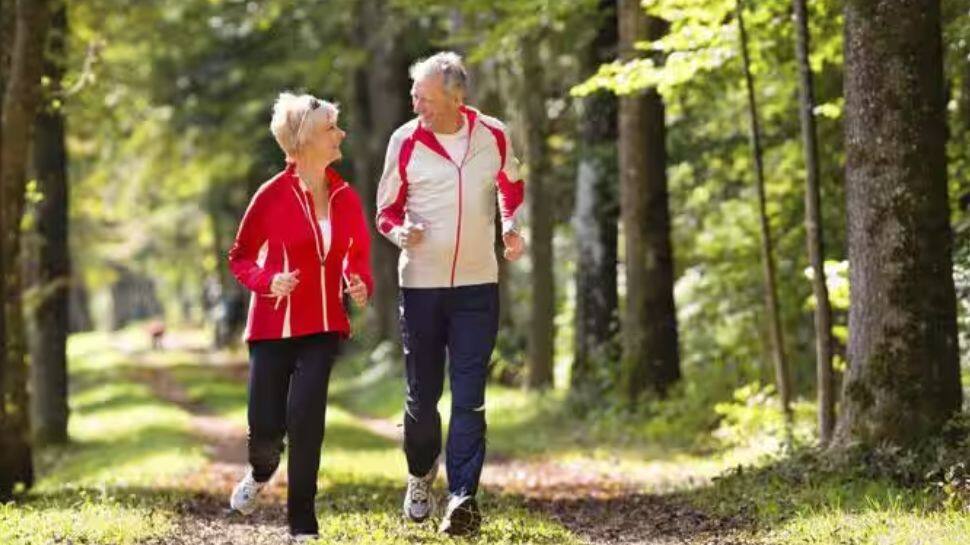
(601, 506)
(605, 507)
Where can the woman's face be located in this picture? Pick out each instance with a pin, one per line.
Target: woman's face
(323, 142)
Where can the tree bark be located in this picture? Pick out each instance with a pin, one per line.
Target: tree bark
(813, 229)
(596, 215)
(20, 99)
(903, 380)
(49, 314)
(782, 376)
(651, 357)
(12, 431)
(543, 304)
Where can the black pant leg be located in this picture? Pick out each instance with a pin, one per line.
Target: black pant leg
(306, 418)
(270, 364)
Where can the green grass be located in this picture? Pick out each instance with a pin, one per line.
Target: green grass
(114, 482)
(800, 500)
(118, 481)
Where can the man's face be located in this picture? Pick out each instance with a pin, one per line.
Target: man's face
(433, 103)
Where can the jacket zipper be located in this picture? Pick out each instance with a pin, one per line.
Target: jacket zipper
(326, 251)
(459, 167)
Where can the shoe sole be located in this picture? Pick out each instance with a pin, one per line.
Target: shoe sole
(412, 518)
(462, 523)
(241, 512)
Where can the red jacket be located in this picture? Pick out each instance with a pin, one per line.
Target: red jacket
(279, 233)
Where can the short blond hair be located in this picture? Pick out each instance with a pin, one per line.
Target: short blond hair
(295, 116)
(448, 65)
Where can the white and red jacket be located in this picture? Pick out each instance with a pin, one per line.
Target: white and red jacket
(280, 233)
(454, 197)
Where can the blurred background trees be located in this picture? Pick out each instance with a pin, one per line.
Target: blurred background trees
(643, 292)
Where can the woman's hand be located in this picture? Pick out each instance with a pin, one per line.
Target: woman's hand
(357, 290)
(284, 283)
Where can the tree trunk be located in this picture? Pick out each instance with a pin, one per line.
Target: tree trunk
(486, 93)
(12, 428)
(813, 230)
(903, 380)
(596, 215)
(49, 315)
(543, 304)
(380, 98)
(20, 99)
(651, 359)
(782, 376)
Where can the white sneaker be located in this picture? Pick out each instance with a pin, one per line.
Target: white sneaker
(418, 501)
(243, 497)
(304, 538)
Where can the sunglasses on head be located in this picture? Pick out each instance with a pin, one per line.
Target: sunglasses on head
(314, 104)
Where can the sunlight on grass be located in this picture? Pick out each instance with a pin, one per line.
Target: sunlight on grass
(117, 482)
(878, 526)
(84, 520)
(108, 484)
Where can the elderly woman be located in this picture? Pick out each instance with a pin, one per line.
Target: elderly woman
(302, 238)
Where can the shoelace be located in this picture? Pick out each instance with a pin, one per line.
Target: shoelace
(419, 489)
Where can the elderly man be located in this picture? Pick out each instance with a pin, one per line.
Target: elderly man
(436, 201)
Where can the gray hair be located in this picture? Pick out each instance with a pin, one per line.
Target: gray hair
(295, 116)
(446, 63)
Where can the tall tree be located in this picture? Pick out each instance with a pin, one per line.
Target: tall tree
(813, 228)
(903, 380)
(543, 309)
(21, 94)
(651, 356)
(12, 428)
(49, 309)
(596, 211)
(782, 376)
(380, 105)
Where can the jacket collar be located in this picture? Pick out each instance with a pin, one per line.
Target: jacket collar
(426, 137)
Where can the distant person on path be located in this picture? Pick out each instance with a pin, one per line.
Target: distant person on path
(303, 243)
(436, 202)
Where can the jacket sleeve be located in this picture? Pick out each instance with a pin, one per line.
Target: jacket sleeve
(244, 260)
(392, 191)
(509, 185)
(358, 253)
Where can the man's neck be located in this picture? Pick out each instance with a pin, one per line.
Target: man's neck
(451, 125)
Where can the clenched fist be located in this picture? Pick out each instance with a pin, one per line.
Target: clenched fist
(357, 290)
(410, 234)
(514, 245)
(284, 283)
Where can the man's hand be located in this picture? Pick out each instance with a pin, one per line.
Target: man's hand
(284, 283)
(410, 234)
(514, 245)
(357, 290)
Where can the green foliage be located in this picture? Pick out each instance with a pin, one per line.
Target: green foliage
(753, 417)
(886, 495)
